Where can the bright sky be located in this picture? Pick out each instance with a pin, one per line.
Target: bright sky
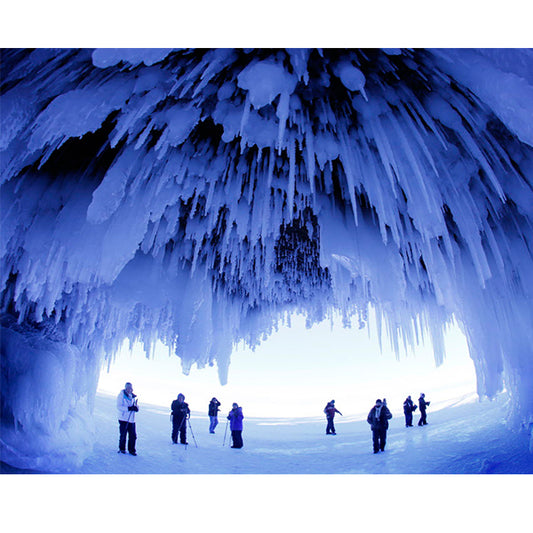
(296, 371)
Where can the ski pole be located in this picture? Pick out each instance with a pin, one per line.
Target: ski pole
(178, 433)
(224, 443)
(190, 427)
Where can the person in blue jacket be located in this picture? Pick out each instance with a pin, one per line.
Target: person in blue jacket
(235, 418)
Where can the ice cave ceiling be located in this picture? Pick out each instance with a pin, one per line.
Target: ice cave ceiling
(196, 196)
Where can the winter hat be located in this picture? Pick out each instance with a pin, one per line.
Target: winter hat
(181, 396)
(378, 401)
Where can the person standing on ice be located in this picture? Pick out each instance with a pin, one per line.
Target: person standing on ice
(180, 414)
(409, 407)
(127, 407)
(330, 411)
(235, 418)
(378, 418)
(214, 405)
(422, 404)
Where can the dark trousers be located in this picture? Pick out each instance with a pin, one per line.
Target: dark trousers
(330, 428)
(409, 418)
(422, 421)
(179, 425)
(379, 438)
(236, 435)
(127, 428)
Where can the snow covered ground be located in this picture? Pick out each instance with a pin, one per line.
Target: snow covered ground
(467, 437)
(463, 437)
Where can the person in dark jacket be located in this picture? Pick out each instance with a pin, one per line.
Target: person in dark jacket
(235, 418)
(214, 405)
(409, 407)
(378, 418)
(180, 414)
(330, 411)
(422, 404)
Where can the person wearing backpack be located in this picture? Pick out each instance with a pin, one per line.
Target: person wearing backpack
(180, 414)
(409, 407)
(423, 404)
(330, 411)
(214, 405)
(378, 418)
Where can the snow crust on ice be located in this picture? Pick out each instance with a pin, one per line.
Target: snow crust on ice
(264, 81)
(199, 197)
(462, 437)
(109, 57)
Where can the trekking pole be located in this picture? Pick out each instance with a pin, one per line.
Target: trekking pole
(178, 435)
(190, 427)
(224, 443)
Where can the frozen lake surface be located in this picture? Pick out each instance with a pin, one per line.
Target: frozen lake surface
(467, 437)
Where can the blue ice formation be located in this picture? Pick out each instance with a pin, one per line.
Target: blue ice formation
(196, 197)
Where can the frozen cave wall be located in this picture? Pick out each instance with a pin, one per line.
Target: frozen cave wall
(198, 196)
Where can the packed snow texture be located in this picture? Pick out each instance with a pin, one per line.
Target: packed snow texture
(198, 197)
(479, 445)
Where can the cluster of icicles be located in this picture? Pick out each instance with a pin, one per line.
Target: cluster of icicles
(198, 196)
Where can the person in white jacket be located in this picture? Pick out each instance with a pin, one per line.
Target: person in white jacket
(127, 407)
